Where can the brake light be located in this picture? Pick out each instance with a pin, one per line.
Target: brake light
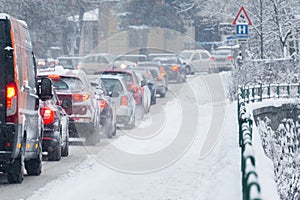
(11, 102)
(212, 58)
(162, 71)
(230, 58)
(134, 88)
(103, 104)
(54, 77)
(143, 89)
(124, 101)
(48, 115)
(80, 97)
(159, 78)
(175, 68)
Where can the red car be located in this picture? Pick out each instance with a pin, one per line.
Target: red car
(132, 83)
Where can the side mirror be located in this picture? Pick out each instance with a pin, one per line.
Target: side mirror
(143, 83)
(45, 89)
(114, 94)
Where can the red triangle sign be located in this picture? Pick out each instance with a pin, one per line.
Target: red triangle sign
(242, 17)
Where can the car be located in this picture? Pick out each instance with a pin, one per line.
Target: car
(146, 79)
(199, 60)
(69, 62)
(147, 94)
(131, 81)
(107, 109)
(173, 67)
(21, 124)
(132, 58)
(93, 63)
(74, 89)
(223, 58)
(56, 128)
(122, 98)
(152, 56)
(158, 74)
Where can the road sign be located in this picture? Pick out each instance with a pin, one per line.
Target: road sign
(242, 17)
(241, 30)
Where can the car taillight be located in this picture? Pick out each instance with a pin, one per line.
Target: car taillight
(159, 78)
(54, 77)
(11, 102)
(48, 115)
(103, 104)
(124, 101)
(230, 58)
(80, 97)
(143, 89)
(175, 68)
(134, 88)
(162, 71)
(212, 58)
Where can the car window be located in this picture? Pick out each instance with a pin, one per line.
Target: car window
(196, 56)
(73, 84)
(102, 59)
(112, 85)
(205, 56)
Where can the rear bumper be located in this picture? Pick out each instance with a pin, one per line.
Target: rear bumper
(51, 140)
(80, 129)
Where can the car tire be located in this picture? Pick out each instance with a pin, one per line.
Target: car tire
(188, 70)
(131, 124)
(65, 150)
(55, 154)
(163, 95)
(34, 166)
(15, 171)
(94, 138)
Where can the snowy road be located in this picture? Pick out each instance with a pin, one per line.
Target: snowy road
(182, 150)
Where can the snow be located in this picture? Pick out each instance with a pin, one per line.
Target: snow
(216, 175)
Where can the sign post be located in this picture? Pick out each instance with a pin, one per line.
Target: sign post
(242, 23)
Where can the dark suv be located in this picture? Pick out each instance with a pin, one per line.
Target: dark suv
(56, 129)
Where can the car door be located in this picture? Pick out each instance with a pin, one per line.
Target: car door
(196, 62)
(205, 59)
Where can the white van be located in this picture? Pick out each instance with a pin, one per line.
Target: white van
(197, 61)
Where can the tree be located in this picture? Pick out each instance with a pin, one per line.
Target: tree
(168, 14)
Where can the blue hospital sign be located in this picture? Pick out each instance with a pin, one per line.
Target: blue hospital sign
(241, 30)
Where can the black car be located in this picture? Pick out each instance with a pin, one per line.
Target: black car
(56, 129)
(107, 109)
(173, 67)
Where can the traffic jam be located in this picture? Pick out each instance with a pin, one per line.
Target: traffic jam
(90, 102)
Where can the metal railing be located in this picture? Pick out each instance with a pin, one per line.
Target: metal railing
(248, 94)
(250, 184)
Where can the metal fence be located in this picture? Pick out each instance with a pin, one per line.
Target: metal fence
(249, 94)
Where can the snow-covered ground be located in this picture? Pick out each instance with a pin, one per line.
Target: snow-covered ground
(216, 175)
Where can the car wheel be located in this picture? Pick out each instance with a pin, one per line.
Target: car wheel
(65, 149)
(188, 69)
(163, 95)
(109, 131)
(94, 137)
(34, 166)
(55, 154)
(15, 171)
(131, 124)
